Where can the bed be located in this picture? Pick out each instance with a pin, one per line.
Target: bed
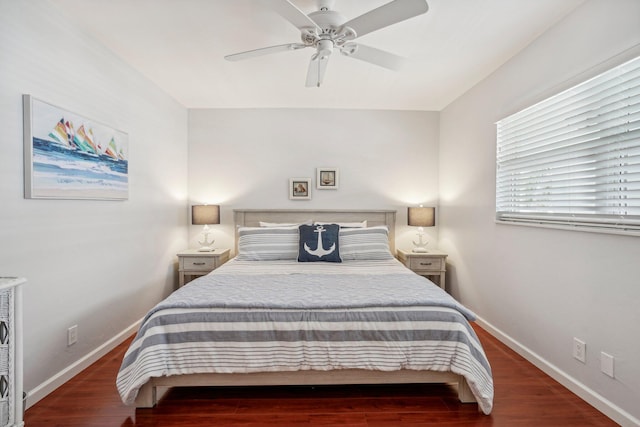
(266, 319)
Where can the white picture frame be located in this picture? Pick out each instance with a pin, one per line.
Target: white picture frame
(300, 188)
(327, 178)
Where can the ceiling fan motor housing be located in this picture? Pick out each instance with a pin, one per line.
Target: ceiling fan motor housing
(329, 21)
(331, 24)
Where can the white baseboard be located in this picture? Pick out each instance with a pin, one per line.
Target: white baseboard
(42, 390)
(596, 400)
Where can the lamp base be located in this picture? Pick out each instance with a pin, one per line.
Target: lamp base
(206, 245)
(420, 246)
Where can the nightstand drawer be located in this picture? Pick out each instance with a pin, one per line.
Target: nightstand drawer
(198, 263)
(425, 264)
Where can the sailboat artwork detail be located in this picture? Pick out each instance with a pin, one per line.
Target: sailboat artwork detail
(68, 156)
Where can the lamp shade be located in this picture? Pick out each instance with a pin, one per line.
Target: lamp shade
(421, 217)
(205, 214)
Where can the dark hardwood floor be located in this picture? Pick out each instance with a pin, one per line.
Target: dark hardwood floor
(524, 396)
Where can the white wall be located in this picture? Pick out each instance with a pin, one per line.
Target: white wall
(98, 264)
(541, 287)
(244, 158)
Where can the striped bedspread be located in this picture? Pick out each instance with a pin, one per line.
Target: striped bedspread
(269, 316)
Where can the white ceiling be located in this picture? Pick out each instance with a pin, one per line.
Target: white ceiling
(180, 45)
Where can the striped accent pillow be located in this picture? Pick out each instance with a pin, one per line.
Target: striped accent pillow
(371, 243)
(267, 243)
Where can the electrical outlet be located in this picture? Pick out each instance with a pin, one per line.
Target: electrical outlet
(606, 364)
(72, 335)
(579, 350)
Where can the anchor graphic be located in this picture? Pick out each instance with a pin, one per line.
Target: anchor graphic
(319, 251)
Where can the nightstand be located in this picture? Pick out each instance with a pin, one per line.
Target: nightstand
(193, 263)
(432, 263)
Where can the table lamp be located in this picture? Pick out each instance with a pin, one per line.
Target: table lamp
(205, 215)
(421, 217)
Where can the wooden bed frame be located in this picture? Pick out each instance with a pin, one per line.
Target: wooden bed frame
(150, 393)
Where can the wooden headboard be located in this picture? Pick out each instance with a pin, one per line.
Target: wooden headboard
(252, 218)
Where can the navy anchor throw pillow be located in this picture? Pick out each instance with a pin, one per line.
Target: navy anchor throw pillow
(319, 243)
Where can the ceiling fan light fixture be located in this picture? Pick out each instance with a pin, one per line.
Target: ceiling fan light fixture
(325, 48)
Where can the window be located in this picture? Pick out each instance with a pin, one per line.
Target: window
(573, 160)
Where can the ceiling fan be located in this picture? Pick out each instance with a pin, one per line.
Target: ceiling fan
(327, 30)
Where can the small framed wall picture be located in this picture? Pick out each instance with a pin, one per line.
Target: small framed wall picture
(327, 178)
(300, 188)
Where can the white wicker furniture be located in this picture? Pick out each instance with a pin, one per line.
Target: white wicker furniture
(11, 406)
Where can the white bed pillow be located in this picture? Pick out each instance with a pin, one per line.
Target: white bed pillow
(345, 224)
(285, 224)
(371, 243)
(267, 243)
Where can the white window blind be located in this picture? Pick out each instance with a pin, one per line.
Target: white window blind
(574, 159)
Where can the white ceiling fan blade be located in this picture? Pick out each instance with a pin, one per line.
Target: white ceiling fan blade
(294, 15)
(373, 55)
(388, 14)
(263, 51)
(317, 68)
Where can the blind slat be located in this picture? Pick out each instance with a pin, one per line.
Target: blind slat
(574, 159)
(557, 123)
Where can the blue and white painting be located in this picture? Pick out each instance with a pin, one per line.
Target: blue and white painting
(68, 156)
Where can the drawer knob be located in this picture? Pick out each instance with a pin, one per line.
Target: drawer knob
(198, 263)
(426, 263)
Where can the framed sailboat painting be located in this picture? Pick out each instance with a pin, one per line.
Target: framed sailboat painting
(68, 156)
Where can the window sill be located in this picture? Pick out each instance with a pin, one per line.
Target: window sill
(569, 227)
